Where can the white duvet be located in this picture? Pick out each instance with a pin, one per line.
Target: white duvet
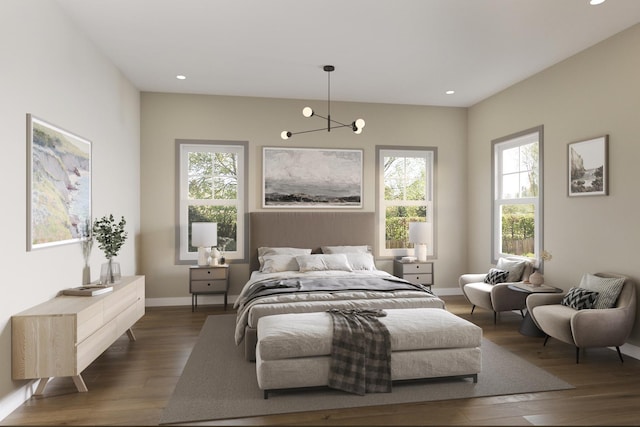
(249, 313)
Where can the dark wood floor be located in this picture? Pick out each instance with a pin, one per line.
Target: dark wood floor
(131, 383)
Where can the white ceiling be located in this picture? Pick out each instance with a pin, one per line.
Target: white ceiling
(384, 51)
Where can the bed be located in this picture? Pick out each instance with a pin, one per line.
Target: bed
(346, 235)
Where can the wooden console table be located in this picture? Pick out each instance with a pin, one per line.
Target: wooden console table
(62, 336)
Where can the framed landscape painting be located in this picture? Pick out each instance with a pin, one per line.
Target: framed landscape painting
(588, 167)
(58, 185)
(311, 178)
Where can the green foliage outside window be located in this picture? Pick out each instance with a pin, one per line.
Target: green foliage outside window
(518, 230)
(213, 177)
(404, 181)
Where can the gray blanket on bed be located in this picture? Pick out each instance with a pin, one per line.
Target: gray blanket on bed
(360, 352)
(328, 284)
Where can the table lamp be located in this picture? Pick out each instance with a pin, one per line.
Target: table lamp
(204, 235)
(420, 235)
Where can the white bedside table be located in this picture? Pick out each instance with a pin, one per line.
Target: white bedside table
(212, 279)
(418, 272)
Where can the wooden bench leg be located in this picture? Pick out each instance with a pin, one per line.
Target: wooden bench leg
(79, 382)
(130, 335)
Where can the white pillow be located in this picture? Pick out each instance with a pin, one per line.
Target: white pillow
(361, 261)
(278, 263)
(514, 267)
(322, 262)
(345, 249)
(608, 289)
(266, 250)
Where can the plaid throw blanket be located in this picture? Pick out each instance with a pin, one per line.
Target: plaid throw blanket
(360, 352)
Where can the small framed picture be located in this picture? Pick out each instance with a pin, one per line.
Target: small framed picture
(588, 169)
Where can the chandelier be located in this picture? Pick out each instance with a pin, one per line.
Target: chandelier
(356, 126)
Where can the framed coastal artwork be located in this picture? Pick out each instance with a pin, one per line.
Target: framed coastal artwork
(311, 178)
(58, 185)
(588, 169)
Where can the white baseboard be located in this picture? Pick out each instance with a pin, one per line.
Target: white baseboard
(17, 397)
(629, 350)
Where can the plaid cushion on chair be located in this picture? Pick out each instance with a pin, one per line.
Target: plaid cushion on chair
(580, 298)
(496, 276)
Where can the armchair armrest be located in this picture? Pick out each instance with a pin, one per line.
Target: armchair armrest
(470, 278)
(601, 327)
(505, 298)
(534, 300)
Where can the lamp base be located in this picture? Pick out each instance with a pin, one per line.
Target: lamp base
(203, 256)
(421, 251)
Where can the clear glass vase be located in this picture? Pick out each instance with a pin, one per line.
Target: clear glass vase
(110, 273)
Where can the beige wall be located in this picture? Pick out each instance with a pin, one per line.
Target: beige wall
(167, 117)
(53, 71)
(594, 93)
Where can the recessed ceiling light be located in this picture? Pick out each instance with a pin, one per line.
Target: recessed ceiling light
(450, 92)
(596, 2)
(181, 77)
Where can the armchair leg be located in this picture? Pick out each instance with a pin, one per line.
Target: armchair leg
(546, 338)
(521, 314)
(577, 355)
(620, 354)
(495, 317)
(473, 308)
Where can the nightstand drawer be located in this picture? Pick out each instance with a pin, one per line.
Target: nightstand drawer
(209, 285)
(422, 279)
(417, 267)
(209, 273)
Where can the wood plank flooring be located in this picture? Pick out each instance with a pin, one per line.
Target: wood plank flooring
(131, 383)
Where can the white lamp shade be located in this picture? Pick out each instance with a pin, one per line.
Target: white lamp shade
(204, 234)
(420, 232)
(420, 235)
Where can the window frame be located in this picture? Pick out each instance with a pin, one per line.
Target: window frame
(383, 151)
(498, 146)
(183, 146)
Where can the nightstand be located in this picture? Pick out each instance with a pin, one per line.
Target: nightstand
(212, 279)
(417, 272)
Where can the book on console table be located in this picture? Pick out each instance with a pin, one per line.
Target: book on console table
(88, 290)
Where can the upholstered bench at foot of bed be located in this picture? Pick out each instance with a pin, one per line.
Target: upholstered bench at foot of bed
(294, 349)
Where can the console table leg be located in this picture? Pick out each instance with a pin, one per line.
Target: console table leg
(41, 385)
(130, 335)
(79, 382)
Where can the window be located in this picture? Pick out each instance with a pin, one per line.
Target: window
(405, 193)
(517, 195)
(211, 187)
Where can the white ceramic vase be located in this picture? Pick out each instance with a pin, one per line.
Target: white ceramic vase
(536, 278)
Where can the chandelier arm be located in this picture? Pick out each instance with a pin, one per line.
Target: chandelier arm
(307, 131)
(330, 119)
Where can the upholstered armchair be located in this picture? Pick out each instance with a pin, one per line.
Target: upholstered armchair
(497, 297)
(594, 327)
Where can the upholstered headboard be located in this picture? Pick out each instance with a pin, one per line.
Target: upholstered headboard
(308, 230)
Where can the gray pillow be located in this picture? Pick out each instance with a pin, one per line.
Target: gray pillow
(608, 289)
(514, 267)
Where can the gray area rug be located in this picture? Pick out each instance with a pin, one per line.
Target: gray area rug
(217, 383)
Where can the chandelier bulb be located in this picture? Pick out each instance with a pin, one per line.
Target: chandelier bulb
(307, 112)
(360, 123)
(285, 134)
